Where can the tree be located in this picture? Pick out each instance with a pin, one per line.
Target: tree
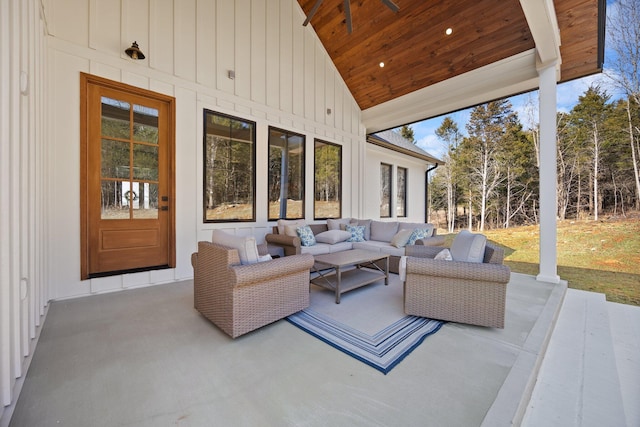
(448, 133)
(407, 132)
(487, 128)
(623, 38)
(520, 168)
(590, 115)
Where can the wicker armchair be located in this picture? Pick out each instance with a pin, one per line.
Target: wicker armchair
(463, 292)
(240, 298)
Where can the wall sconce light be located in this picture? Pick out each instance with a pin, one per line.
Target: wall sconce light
(134, 51)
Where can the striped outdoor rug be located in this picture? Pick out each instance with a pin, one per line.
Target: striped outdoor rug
(369, 324)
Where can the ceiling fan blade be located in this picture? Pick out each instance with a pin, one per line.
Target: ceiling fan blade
(314, 9)
(347, 13)
(391, 5)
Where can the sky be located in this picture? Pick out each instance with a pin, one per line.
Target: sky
(526, 105)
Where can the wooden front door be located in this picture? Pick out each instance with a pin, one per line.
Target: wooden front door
(127, 178)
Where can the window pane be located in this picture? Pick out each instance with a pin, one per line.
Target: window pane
(115, 159)
(114, 206)
(401, 198)
(145, 162)
(328, 180)
(145, 205)
(229, 164)
(286, 175)
(145, 124)
(385, 190)
(115, 118)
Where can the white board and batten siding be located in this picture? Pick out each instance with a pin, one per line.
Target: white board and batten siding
(283, 78)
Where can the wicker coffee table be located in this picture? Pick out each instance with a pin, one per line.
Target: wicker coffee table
(342, 271)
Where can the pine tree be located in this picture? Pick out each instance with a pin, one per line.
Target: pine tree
(407, 132)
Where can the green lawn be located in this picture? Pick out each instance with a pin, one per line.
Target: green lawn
(599, 256)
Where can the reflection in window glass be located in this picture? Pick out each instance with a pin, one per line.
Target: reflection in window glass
(401, 191)
(114, 205)
(286, 174)
(385, 190)
(145, 200)
(115, 159)
(229, 168)
(145, 162)
(328, 180)
(145, 124)
(129, 192)
(115, 118)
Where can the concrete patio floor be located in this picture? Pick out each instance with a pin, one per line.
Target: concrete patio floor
(145, 357)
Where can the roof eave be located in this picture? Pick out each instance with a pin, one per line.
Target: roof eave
(375, 140)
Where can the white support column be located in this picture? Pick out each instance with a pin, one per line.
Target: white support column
(548, 176)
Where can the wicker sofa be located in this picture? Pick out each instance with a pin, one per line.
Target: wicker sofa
(240, 298)
(377, 238)
(457, 291)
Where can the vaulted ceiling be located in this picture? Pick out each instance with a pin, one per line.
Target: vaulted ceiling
(418, 54)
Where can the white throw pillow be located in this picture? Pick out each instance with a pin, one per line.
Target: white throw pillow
(295, 222)
(245, 245)
(333, 236)
(444, 255)
(401, 238)
(468, 247)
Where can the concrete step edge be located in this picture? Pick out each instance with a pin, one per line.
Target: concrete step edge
(625, 332)
(571, 371)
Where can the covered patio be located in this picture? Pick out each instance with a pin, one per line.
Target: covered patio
(256, 60)
(186, 372)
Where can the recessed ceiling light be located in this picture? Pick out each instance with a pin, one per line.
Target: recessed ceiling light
(448, 31)
(382, 65)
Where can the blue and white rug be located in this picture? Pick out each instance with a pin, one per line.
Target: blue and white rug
(369, 324)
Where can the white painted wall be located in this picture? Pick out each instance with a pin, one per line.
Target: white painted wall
(24, 219)
(283, 78)
(416, 170)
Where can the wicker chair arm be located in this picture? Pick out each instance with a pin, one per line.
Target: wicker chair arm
(249, 274)
(431, 241)
(194, 259)
(290, 244)
(421, 251)
(458, 269)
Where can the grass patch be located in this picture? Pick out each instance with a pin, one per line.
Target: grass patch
(597, 256)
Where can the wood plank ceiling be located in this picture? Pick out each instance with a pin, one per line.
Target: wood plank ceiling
(418, 53)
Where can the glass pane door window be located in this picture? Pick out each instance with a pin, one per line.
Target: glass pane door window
(129, 160)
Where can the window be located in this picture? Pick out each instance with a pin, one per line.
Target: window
(229, 168)
(401, 191)
(328, 180)
(385, 190)
(286, 174)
